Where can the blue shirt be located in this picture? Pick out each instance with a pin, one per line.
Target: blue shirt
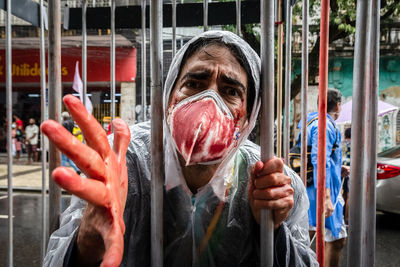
(332, 174)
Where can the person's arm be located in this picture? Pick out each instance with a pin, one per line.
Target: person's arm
(105, 189)
(62, 240)
(269, 188)
(289, 251)
(33, 135)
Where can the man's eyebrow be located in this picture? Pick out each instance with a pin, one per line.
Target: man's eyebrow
(198, 75)
(233, 81)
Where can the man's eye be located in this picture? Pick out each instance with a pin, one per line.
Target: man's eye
(192, 84)
(232, 91)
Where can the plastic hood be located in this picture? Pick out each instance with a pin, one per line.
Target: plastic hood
(173, 172)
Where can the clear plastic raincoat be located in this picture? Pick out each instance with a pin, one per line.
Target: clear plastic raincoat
(215, 226)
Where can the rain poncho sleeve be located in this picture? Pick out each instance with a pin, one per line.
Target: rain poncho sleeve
(62, 240)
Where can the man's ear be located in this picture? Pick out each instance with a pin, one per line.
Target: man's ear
(337, 107)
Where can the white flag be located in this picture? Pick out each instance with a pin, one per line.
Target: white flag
(78, 87)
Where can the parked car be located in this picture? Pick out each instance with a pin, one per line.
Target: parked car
(388, 181)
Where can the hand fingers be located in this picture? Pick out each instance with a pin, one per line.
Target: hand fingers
(271, 166)
(84, 157)
(95, 136)
(114, 245)
(282, 203)
(274, 179)
(93, 191)
(122, 138)
(273, 193)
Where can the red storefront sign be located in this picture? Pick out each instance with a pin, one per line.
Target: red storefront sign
(26, 64)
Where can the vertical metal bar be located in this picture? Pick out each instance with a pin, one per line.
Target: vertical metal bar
(173, 28)
(205, 15)
(279, 82)
(43, 138)
(143, 67)
(84, 51)
(54, 13)
(112, 60)
(238, 17)
(157, 152)
(288, 70)
(322, 113)
(359, 146)
(304, 90)
(9, 132)
(369, 233)
(267, 121)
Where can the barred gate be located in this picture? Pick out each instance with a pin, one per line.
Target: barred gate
(365, 88)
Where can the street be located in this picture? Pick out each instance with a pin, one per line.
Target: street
(27, 232)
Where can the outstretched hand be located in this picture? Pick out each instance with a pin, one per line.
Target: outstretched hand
(270, 189)
(100, 236)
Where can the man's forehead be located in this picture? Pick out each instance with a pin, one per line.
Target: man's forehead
(205, 60)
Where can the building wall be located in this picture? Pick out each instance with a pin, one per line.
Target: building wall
(341, 74)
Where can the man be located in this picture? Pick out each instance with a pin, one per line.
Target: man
(335, 232)
(68, 124)
(31, 140)
(215, 185)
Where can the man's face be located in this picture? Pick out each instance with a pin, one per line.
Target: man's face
(214, 68)
(337, 111)
(31, 121)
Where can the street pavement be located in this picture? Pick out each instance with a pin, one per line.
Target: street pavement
(25, 177)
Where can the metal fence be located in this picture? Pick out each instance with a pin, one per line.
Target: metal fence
(362, 220)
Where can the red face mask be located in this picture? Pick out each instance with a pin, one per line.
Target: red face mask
(203, 128)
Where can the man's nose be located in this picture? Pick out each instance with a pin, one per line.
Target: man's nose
(213, 85)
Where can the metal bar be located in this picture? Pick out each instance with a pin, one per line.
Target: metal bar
(112, 61)
(43, 140)
(369, 233)
(238, 17)
(9, 133)
(173, 28)
(205, 15)
(267, 121)
(304, 90)
(157, 152)
(322, 113)
(84, 51)
(359, 145)
(143, 67)
(288, 70)
(279, 82)
(54, 13)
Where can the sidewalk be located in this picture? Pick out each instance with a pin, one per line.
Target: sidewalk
(25, 177)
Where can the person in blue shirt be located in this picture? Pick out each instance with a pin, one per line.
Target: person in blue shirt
(335, 231)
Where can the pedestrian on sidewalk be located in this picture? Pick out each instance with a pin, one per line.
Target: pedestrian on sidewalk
(16, 135)
(335, 231)
(31, 140)
(19, 122)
